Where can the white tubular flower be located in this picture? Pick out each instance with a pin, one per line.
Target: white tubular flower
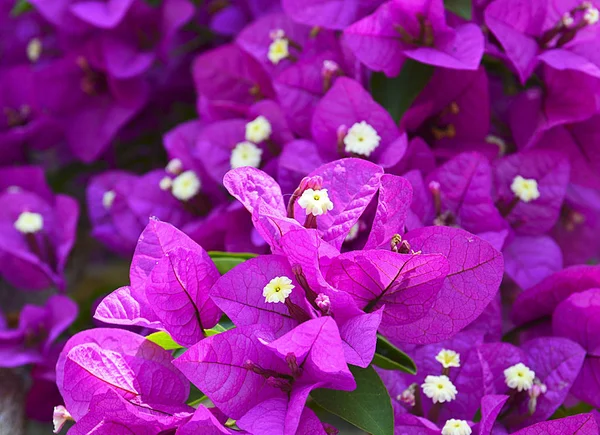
(353, 232)
(60, 417)
(526, 189)
(361, 139)
(258, 130)
(29, 223)
(456, 427)
(315, 202)
(186, 186)
(519, 376)
(279, 49)
(108, 198)
(448, 358)
(591, 15)
(439, 389)
(165, 183)
(245, 154)
(278, 289)
(34, 50)
(174, 167)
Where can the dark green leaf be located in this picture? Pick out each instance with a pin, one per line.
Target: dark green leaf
(388, 356)
(398, 93)
(462, 8)
(369, 407)
(20, 7)
(164, 340)
(154, 3)
(225, 261)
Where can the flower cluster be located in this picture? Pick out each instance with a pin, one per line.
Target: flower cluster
(388, 211)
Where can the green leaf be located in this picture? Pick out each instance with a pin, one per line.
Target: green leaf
(369, 407)
(225, 261)
(389, 357)
(398, 93)
(164, 340)
(217, 329)
(20, 7)
(462, 8)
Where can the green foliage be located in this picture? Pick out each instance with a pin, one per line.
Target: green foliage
(462, 8)
(164, 340)
(369, 407)
(225, 261)
(20, 7)
(396, 94)
(389, 357)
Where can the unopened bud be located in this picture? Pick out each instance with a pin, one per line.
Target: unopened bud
(323, 303)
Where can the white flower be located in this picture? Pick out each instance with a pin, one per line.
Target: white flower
(165, 183)
(174, 167)
(278, 50)
(60, 417)
(186, 185)
(456, 427)
(278, 289)
(258, 130)
(353, 232)
(567, 19)
(108, 198)
(439, 389)
(34, 50)
(591, 15)
(29, 223)
(361, 139)
(526, 189)
(448, 358)
(519, 376)
(315, 202)
(245, 154)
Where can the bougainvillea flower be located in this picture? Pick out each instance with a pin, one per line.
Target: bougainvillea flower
(461, 195)
(558, 102)
(558, 34)
(550, 174)
(38, 230)
(576, 318)
(348, 122)
(555, 363)
(329, 14)
(357, 329)
(66, 12)
(577, 141)
(452, 110)
(269, 418)
(91, 104)
(228, 81)
(418, 30)
(530, 259)
(541, 300)
(170, 279)
(102, 360)
(581, 423)
(38, 328)
(472, 282)
(348, 186)
(258, 367)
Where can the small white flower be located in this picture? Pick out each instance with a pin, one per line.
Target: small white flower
(456, 427)
(448, 358)
(245, 154)
(175, 166)
(108, 198)
(315, 202)
(439, 389)
(361, 139)
(165, 183)
(279, 49)
(186, 185)
(526, 189)
(278, 289)
(519, 376)
(567, 19)
(258, 130)
(29, 223)
(34, 50)
(591, 15)
(60, 417)
(353, 233)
